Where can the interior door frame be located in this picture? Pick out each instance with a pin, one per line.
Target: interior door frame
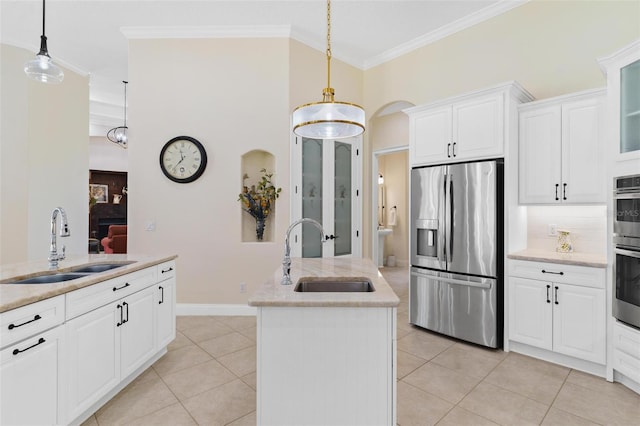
(374, 195)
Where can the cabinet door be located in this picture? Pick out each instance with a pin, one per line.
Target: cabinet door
(165, 293)
(29, 371)
(431, 137)
(137, 334)
(583, 172)
(579, 319)
(478, 128)
(540, 155)
(93, 357)
(530, 312)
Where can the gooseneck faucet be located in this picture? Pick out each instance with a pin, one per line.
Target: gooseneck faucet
(286, 262)
(54, 257)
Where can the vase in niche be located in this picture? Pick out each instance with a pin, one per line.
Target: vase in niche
(564, 244)
(260, 229)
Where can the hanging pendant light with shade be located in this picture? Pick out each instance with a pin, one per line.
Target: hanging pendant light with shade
(119, 135)
(42, 68)
(328, 119)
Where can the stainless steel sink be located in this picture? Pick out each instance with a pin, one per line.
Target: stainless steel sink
(99, 267)
(334, 285)
(49, 279)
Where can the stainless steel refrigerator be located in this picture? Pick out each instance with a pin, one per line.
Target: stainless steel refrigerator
(456, 285)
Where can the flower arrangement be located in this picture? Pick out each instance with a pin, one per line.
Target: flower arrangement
(258, 200)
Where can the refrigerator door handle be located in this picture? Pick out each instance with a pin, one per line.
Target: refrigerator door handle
(480, 283)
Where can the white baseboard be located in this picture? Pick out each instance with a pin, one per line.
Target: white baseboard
(183, 309)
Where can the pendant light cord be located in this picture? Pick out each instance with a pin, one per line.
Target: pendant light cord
(43, 17)
(328, 43)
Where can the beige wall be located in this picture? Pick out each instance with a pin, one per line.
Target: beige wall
(44, 158)
(550, 47)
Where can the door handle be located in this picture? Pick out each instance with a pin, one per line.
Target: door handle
(556, 294)
(449, 150)
(126, 305)
(161, 295)
(564, 191)
(164, 271)
(120, 288)
(12, 326)
(548, 288)
(551, 272)
(454, 149)
(121, 321)
(557, 185)
(17, 351)
(330, 237)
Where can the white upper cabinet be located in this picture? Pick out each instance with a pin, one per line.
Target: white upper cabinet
(561, 150)
(623, 105)
(467, 127)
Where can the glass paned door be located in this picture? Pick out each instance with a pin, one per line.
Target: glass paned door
(630, 108)
(342, 199)
(326, 177)
(311, 195)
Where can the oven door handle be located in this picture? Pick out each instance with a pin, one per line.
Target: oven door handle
(631, 253)
(626, 195)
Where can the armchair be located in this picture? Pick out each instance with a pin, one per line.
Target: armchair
(116, 239)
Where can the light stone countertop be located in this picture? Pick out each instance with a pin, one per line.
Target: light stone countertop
(16, 295)
(272, 293)
(578, 259)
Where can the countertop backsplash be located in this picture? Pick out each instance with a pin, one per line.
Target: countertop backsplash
(587, 225)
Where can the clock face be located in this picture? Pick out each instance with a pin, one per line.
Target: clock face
(183, 159)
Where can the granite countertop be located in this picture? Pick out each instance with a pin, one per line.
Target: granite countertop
(16, 295)
(578, 259)
(272, 293)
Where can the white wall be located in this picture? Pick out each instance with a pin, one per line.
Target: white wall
(44, 159)
(106, 155)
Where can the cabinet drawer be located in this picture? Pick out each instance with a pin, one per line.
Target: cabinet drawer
(29, 320)
(627, 365)
(94, 296)
(558, 273)
(626, 340)
(166, 270)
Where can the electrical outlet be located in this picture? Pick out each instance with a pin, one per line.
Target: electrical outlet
(552, 230)
(150, 225)
(243, 287)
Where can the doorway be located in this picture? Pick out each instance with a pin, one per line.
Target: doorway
(390, 215)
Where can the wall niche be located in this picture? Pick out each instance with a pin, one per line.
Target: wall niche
(252, 163)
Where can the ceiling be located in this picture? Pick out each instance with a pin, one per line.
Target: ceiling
(88, 36)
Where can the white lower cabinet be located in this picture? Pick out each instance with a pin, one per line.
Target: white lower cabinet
(559, 308)
(30, 380)
(626, 351)
(165, 303)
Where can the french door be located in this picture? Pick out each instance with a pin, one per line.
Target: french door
(326, 183)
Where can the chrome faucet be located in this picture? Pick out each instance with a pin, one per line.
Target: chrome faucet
(286, 262)
(54, 257)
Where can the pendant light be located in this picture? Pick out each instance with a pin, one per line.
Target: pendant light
(119, 135)
(42, 68)
(328, 119)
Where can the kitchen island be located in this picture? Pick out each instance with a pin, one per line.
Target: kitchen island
(326, 357)
(72, 337)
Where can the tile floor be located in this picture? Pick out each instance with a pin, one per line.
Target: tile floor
(208, 378)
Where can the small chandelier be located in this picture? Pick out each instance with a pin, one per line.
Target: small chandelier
(119, 135)
(42, 68)
(328, 119)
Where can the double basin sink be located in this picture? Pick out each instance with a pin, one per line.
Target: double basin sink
(51, 277)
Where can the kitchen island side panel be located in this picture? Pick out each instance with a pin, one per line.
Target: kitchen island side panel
(326, 366)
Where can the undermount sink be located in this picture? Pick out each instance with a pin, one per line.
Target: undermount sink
(334, 285)
(50, 278)
(100, 267)
(72, 274)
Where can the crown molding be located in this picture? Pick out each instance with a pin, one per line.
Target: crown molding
(622, 54)
(456, 26)
(217, 31)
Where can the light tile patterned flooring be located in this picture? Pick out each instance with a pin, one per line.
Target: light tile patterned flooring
(208, 378)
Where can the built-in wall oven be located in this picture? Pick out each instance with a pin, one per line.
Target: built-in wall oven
(626, 241)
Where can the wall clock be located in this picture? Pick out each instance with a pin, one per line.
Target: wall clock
(183, 159)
